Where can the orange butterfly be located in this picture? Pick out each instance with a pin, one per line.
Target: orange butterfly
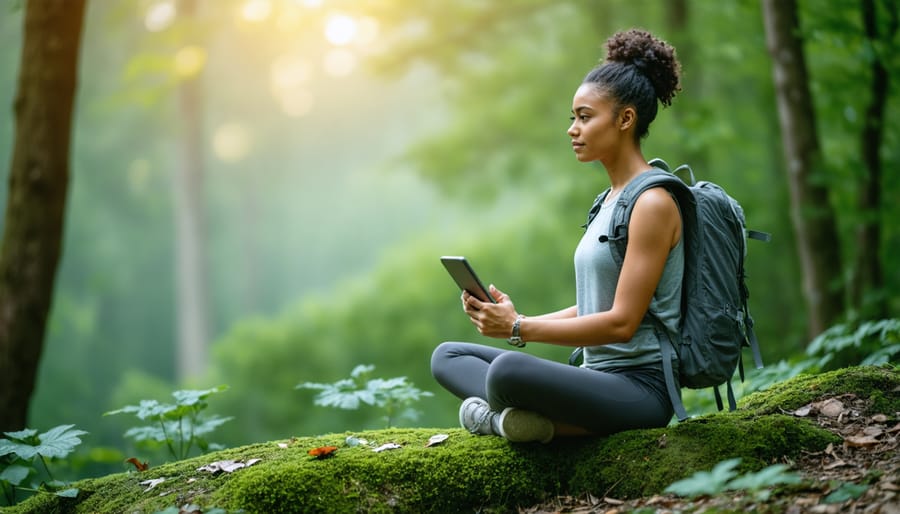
(323, 452)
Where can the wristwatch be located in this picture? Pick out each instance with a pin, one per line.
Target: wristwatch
(515, 339)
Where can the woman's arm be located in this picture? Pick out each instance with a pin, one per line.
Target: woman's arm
(655, 228)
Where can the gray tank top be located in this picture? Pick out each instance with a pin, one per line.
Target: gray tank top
(596, 276)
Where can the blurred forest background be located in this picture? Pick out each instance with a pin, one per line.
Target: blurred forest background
(260, 189)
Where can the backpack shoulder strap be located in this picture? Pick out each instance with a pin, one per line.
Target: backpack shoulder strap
(595, 208)
(618, 229)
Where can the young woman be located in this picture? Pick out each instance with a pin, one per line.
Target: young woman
(620, 385)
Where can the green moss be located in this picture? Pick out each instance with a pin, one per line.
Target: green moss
(488, 474)
(879, 383)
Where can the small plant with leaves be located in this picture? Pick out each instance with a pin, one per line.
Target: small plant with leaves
(723, 477)
(394, 395)
(21, 451)
(869, 343)
(179, 427)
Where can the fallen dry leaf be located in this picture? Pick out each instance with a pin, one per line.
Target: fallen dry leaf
(803, 411)
(836, 464)
(831, 407)
(227, 466)
(323, 452)
(436, 439)
(152, 483)
(879, 418)
(860, 441)
(873, 431)
(140, 466)
(387, 446)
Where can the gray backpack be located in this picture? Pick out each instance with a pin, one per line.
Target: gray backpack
(716, 323)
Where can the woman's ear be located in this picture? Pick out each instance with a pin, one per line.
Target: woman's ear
(627, 118)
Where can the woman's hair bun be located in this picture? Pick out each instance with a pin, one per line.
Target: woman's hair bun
(653, 57)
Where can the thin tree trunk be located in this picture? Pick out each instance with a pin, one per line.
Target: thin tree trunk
(867, 281)
(38, 184)
(190, 245)
(811, 213)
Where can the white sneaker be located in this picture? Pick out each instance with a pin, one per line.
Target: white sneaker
(476, 416)
(522, 426)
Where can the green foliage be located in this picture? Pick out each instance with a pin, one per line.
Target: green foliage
(394, 395)
(847, 344)
(723, 477)
(844, 491)
(497, 79)
(21, 451)
(179, 426)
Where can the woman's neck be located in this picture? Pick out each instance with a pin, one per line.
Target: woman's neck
(625, 167)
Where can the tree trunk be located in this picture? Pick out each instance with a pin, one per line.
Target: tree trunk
(865, 287)
(811, 213)
(38, 183)
(191, 303)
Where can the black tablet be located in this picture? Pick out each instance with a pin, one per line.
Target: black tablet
(465, 277)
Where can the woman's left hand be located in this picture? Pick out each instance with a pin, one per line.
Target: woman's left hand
(491, 319)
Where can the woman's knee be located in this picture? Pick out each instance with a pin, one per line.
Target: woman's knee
(509, 371)
(438, 357)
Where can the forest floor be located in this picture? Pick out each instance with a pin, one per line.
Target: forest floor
(862, 475)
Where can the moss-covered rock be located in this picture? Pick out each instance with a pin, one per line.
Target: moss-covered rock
(468, 473)
(881, 384)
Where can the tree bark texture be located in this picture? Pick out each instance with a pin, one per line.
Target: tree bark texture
(865, 288)
(811, 212)
(38, 184)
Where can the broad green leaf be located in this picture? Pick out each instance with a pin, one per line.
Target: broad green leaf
(146, 433)
(847, 491)
(208, 425)
(57, 442)
(146, 409)
(22, 435)
(772, 475)
(190, 396)
(362, 369)
(706, 482)
(15, 474)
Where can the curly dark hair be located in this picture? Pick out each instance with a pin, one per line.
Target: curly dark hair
(639, 70)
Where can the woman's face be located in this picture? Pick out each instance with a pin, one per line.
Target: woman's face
(594, 131)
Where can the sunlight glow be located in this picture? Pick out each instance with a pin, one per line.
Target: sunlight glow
(160, 16)
(189, 61)
(297, 102)
(340, 29)
(367, 31)
(289, 71)
(339, 62)
(231, 142)
(256, 11)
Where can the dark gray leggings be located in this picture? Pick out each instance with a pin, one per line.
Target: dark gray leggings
(599, 401)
